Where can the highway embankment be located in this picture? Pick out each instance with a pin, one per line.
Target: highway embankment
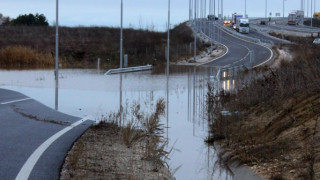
(272, 124)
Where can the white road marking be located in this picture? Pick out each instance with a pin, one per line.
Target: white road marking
(19, 100)
(271, 56)
(33, 159)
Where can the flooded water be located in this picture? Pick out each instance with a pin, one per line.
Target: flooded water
(86, 92)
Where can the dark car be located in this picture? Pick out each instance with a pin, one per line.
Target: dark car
(263, 23)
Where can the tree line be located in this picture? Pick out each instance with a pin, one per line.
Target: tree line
(25, 20)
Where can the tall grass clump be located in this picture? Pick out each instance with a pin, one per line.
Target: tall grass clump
(145, 130)
(22, 56)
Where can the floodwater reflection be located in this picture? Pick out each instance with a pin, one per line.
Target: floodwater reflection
(86, 92)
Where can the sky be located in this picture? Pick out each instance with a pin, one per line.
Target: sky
(137, 13)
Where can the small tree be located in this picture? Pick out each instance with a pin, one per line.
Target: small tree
(30, 20)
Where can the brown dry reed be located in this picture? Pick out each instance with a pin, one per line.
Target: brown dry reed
(17, 57)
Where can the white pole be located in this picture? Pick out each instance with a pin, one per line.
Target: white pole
(121, 34)
(57, 56)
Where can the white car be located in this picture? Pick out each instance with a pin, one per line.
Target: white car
(316, 41)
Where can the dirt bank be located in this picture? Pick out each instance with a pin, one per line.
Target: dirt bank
(101, 154)
(272, 123)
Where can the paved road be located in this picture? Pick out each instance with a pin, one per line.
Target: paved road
(238, 50)
(25, 125)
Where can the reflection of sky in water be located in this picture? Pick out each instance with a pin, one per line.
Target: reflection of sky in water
(84, 92)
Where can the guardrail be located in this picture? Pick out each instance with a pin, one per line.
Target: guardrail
(129, 69)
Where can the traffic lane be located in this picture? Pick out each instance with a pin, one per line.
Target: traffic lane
(22, 134)
(262, 37)
(49, 166)
(261, 53)
(290, 28)
(235, 51)
(7, 95)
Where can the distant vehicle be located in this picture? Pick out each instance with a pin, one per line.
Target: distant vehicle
(236, 17)
(212, 18)
(227, 22)
(296, 18)
(244, 25)
(316, 15)
(316, 41)
(263, 23)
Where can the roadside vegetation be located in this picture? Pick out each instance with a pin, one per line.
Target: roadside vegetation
(272, 122)
(80, 47)
(122, 146)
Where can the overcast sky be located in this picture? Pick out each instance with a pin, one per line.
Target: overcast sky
(137, 13)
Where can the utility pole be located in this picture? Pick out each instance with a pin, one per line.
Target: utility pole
(121, 34)
(57, 57)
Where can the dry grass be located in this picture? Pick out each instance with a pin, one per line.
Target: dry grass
(22, 56)
(273, 125)
(82, 46)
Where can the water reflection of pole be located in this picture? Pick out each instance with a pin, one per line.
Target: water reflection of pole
(189, 109)
(121, 56)
(194, 97)
(120, 100)
(167, 71)
(57, 56)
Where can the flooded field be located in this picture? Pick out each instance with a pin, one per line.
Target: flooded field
(89, 93)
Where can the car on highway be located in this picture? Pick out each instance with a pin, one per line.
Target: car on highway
(263, 23)
(316, 41)
(227, 22)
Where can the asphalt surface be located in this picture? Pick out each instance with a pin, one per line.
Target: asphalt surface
(27, 124)
(238, 51)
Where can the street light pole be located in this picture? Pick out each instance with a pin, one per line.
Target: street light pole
(168, 45)
(311, 14)
(222, 9)
(57, 57)
(195, 31)
(283, 9)
(266, 10)
(245, 8)
(121, 34)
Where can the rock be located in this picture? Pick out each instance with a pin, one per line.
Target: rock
(287, 157)
(292, 171)
(294, 160)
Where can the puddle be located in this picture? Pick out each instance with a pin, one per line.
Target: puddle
(85, 92)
